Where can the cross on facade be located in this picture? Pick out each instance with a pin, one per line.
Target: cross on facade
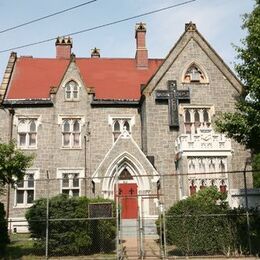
(173, 96)
(131, 191)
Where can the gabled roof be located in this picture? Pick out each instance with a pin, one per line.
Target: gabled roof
(32, 78)
(191, 32)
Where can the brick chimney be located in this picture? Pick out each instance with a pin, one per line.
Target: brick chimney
(95, 53)
(63, 47)
(141, 54)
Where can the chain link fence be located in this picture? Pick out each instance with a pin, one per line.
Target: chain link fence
(66, 238)
(165, 235)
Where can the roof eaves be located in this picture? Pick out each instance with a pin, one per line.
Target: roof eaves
(115, 102)
(27, 102)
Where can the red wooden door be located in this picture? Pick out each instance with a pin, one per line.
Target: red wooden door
(128, 200)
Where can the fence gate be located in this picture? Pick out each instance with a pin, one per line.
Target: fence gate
(151, 230)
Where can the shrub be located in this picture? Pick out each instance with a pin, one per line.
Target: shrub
(70, 232)
(4, 239)
(204, 225)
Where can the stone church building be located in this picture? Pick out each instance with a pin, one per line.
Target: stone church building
(143, 124)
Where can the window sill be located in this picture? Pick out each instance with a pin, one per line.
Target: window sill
(71, 148)
(72, 100)
(22, 206)
(27, 148)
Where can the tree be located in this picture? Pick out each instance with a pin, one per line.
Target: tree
(244, 124)
(13, 165)
(4, 240)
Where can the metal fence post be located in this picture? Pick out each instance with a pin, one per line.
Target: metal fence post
(247, 213)
(47, 219)
(117, 216)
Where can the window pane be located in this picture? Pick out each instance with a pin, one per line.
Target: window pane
(20, 184)
(67, 95)
(76, 126)
(19, 196)
(75, 193)
(116, 135)
(197, 116)
(30, 196)
(187, 116)
(30, 181)
(66, 126)
(32, 126)
(22, 126)
(116, 126)
(32, 139)
(75, 94)
(65, 181)
(75, 181)
(67, 192)
(127, 126)
(66, 139)
(205, 115)
(22, 139)
(76, 139)
(72, 84)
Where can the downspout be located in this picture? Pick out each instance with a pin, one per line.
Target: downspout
(11, 113)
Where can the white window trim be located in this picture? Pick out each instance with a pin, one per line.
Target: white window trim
(61, 118)
(130, 119)
(61, 171)
(38, 122)
(36, 173)
(64, 88)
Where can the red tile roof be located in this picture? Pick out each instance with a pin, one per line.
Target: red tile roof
(32, 78)
(113, 78)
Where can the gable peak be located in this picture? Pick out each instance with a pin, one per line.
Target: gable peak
(190, 27)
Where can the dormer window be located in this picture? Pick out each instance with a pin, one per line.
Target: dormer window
(194, 75)
(71, 91)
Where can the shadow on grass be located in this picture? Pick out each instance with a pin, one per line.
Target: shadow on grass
(20, 245)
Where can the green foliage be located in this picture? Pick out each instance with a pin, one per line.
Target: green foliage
(203, 224)
(75, 236)
(3, 230)
(256, 168)
(13, 163)
(244, 124)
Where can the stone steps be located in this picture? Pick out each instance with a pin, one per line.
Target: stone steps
(130, 227)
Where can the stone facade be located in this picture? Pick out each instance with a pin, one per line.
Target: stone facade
(100, 157)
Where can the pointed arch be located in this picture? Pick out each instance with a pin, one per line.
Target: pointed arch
(193, 72)
(117, 166)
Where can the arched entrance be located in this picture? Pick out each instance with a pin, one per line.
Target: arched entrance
(129, 174)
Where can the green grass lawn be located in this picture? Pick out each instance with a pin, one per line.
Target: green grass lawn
(21, 247)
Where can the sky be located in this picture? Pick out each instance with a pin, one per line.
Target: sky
(219, 21)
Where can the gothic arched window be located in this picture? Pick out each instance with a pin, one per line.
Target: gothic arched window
(71, 133)
(71, 90)
(194, 74)
(187, 122)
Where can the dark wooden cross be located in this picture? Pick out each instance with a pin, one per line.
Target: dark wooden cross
(173, 96)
